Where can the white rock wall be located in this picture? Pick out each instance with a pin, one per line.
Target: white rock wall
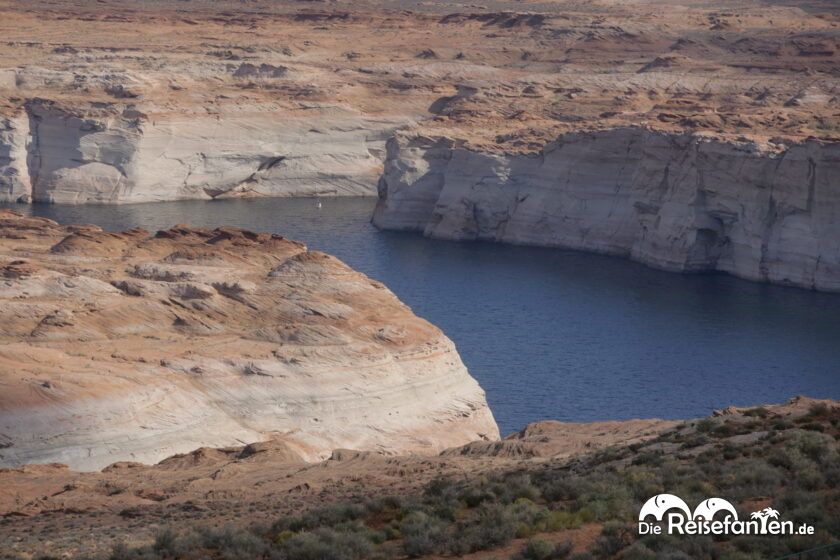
(678, 202)
(48, 154)
(14, 177)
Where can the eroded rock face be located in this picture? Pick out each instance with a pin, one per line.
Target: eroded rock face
(681, 202)
(117, 155)
(134, 346)
(114, 102)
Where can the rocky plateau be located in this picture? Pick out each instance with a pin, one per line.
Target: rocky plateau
(134, 346)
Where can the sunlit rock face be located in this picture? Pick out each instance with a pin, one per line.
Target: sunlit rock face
(115, 154)
(682, 202)
(135, 346)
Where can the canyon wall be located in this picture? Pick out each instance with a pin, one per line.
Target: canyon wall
(132, 347)
(14, 176)
(120, 154)
(681, 202)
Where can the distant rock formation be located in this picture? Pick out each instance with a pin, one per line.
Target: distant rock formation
(131, 347)
(289, 99)
(678, 201)
(49, 153)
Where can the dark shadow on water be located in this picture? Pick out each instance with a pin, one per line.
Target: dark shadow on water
(557, 334)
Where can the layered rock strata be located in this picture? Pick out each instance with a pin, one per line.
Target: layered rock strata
(116, 154)
(135, 346)
(113, 102)
(686, 202)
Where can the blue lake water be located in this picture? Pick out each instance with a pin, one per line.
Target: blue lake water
(557, 334)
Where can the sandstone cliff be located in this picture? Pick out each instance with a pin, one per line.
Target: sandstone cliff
(131, 346)
(684, 202)
(112, 102)
(117, 154)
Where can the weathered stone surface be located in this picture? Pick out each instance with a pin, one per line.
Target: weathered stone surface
(683, 202)
(49, 154)
(111, 102)
(131, 347)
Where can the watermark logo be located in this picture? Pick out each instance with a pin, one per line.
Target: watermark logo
(669, 514)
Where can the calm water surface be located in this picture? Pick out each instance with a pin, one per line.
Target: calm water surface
(557, 334)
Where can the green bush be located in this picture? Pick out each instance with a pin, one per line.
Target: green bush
(706, 425)
(537, 549)
(326, 544)
(615, 536)
(233, 544)
(327, 516)
(422, 534)
(637, 551)
(493, 526)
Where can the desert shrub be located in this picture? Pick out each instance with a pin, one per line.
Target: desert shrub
(474, 496)
(799, 468)
(782, 424)
(803, 506)
(764, 546)
(228, 543)
(493, 526)
(731, 451)
(558, 487)
(651, 458)
(615, 536)
(119, 551)
(378, 505)
(813, 446)
(705, 425)
(750, 478)
(176, 544)
(608, 455)
(818, 410)
(515, 487)
(637, 551)
(562, 550)
(676, 555)
(709, 462)
(809, 478)
(813, 426)
(327, 516)
(782, 458)
(727, 429)
(641, 483)
(694, 490)
(560, 520)
(831, 472)
(695, 440)
(233, 543)
(439, 487)
(528, 516)
(697, 546)
(606, 500)
(422, 534)
(538, 549)
(326, 544)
